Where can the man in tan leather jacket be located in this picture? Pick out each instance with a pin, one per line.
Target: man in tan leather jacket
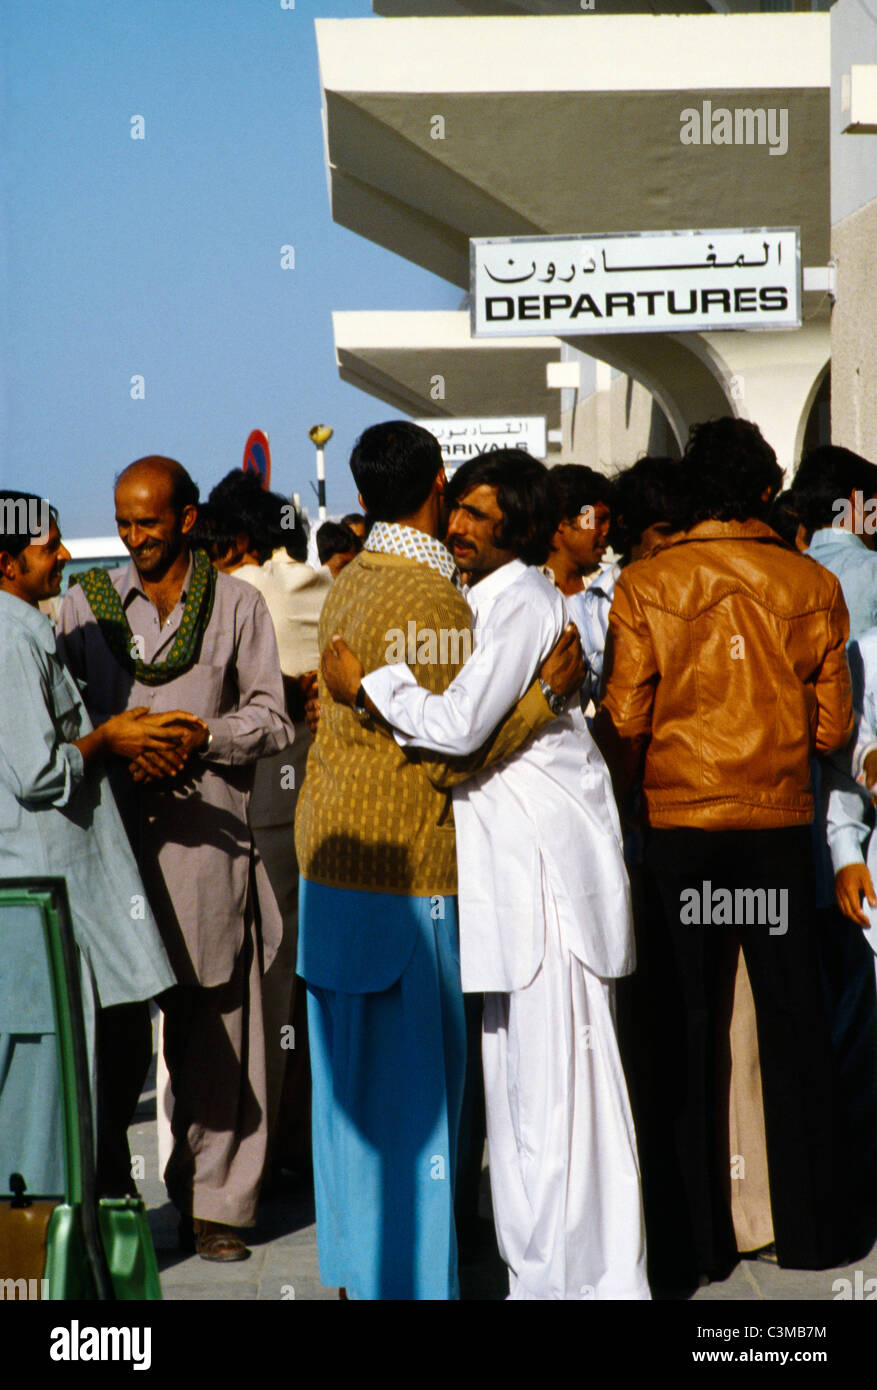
(725, 670)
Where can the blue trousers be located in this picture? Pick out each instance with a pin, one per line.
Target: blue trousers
(388, 1069)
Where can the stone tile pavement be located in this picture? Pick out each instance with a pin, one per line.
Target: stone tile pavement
(283, 1264)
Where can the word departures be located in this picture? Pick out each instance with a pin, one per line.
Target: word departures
(644, 282)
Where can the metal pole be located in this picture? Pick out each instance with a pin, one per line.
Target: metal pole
(320, 435)
(321, 482)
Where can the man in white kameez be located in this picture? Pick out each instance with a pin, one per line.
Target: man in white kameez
(545, 922)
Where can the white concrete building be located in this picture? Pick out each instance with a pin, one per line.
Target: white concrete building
(854, 224)
(452, 119)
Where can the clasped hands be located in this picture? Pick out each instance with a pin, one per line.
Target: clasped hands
(157, 745)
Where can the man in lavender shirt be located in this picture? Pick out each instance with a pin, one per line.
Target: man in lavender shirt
(167, 632)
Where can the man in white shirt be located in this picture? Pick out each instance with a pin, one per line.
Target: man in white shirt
(545, 919)
(576, 563)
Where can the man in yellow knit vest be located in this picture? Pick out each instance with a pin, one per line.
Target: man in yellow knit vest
(378, 942)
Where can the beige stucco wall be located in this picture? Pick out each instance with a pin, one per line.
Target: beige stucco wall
(611, 429)
(854, 333)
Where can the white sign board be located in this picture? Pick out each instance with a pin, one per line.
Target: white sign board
(644, 282)
(462, 439)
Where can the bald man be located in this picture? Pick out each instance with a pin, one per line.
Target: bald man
(168, 632)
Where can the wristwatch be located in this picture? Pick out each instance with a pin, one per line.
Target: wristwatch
(359, 702)
(556, 703)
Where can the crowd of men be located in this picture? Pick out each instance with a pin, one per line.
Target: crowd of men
(477, 827)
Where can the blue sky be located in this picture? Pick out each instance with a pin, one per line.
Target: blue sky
(162, 256)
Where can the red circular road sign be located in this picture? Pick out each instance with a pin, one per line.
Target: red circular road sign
(257, 457)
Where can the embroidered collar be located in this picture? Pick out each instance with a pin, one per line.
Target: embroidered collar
(106, 605)
(389, 538)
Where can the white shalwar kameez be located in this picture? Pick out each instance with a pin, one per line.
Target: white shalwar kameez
(545, 927)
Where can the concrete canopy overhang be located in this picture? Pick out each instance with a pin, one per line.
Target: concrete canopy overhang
(769, 378)
(563, 125)
(427, 364)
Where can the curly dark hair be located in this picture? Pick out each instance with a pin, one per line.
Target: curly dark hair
(239, 502)
(525, 495)
(648, 492)
(826, 476)
(727, 467)
(785, 517)
(334, 538)
(578, 486)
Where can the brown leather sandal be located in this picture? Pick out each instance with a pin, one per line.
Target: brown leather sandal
(214, 1241)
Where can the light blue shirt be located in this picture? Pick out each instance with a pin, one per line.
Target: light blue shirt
(850, 814)
(841, 806)
(59, 819)
(855, 566)
(589, 610)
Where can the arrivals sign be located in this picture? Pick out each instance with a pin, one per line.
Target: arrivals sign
(644, 282)
(461, 439)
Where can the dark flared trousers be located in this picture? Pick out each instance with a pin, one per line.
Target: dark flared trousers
(686, 957)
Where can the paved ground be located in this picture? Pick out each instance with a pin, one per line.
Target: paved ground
(283, 1264)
